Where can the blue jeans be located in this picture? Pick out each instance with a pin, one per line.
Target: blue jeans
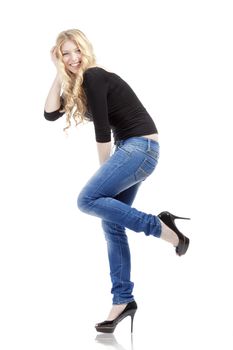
(109, 195)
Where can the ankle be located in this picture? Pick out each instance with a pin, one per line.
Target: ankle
(116, 311)
(169, 235)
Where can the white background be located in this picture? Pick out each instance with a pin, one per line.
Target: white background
(55, 285)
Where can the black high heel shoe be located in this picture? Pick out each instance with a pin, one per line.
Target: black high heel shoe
(169, 220)
(109, 326)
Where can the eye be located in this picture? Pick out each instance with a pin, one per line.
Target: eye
(78, 50)
(66, 53)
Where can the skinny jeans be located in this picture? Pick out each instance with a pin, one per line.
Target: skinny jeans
(109, 195)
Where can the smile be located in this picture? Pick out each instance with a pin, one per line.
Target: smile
(75, 64)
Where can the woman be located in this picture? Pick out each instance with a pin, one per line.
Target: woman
(91, 92)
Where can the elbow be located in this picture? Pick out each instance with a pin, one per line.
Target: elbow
(48, 116)
(52, 116)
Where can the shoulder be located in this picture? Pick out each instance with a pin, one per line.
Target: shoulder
(95, 76)
(94, 72)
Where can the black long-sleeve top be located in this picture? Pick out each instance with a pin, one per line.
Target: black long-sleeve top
(112, 105)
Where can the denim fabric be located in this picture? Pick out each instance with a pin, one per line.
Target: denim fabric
(109, 195)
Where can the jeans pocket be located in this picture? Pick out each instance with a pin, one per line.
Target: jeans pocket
(145, 169)
(125, 149)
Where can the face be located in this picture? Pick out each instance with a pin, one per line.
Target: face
(71, 55)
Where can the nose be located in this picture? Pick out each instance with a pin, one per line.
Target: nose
(74, 57)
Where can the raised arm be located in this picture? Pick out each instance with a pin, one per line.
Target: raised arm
(54, 100)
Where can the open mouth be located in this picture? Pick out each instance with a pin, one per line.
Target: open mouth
(75, 64)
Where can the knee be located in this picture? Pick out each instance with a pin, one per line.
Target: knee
(83, 202)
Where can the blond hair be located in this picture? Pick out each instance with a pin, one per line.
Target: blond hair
(75, 102)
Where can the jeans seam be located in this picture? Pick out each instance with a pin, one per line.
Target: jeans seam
(121, 284)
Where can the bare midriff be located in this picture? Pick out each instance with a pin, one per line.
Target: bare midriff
(152, 137)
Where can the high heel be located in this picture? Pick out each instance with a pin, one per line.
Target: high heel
(169, 220)
(109, 326)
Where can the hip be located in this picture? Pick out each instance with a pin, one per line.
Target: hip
(136, 145)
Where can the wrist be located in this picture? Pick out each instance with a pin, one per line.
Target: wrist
(58, 79)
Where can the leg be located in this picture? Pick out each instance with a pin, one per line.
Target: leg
(133, 162)
(119, 258)
(119, 253)
(129, 165)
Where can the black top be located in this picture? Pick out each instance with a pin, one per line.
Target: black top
(112, 105)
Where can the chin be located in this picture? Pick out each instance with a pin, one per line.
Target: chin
(73, 71)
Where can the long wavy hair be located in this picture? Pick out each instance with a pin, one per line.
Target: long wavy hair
(74, 98)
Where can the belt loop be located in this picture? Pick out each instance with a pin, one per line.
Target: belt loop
(148, 144)
(113, 149)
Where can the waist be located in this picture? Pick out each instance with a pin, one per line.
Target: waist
(154, 137)
(142, 141)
